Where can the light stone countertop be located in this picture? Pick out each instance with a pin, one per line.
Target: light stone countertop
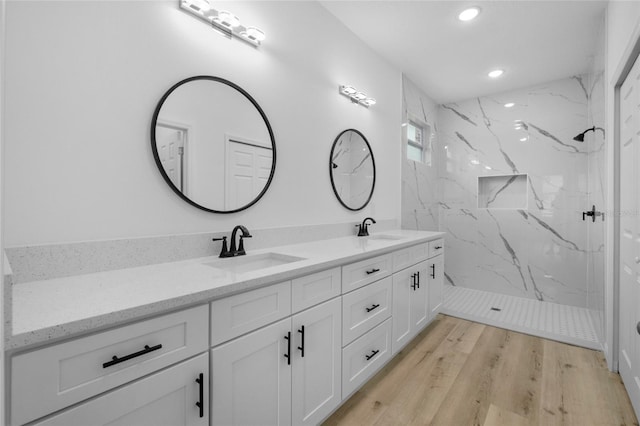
(50, 310)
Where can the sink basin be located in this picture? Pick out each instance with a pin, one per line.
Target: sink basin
(252, 262)
(385, 237)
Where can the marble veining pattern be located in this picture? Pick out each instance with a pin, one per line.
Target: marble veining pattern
(420, 187)
(537, 248)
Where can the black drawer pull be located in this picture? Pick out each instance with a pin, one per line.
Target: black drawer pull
(418, 274)
(373, 353)
(288, 354)
(301, 348)
(373, 271)
(115, 360)
(433, 271)
(414, 285)
(200, 403)
(373, 307)
(437, 247)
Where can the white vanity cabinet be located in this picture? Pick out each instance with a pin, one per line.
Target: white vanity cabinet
(176, 396)
(436, 285)
(410, 303)
(286, 373)
(49, 379)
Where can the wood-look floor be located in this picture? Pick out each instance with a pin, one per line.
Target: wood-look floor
(459, 373)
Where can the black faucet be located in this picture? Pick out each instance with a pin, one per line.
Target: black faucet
(232, 252)
(363, 228)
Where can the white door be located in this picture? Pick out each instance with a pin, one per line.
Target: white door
(166, 398)
(629, 333)
(170, 142)
(251, 382)
(420, 313)
(247, 170)
(316, 364)
(436, 282)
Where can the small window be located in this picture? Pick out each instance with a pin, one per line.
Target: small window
(418, 143)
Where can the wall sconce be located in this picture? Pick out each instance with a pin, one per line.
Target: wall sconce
(225, 22)
(356, 97)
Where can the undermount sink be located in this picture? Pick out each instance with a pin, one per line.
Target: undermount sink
(252, 262)
(385, 237)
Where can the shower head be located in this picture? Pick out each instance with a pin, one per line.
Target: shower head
(580, 137)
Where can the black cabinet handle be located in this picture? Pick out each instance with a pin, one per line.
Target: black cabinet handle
(301, 348)
(373, 307)
(115, 360)
(288, 354)
(414, 285)
(373, 271)
(418, 274)
(200, 403)
(433, 271)
(373, 353)
(437, 247)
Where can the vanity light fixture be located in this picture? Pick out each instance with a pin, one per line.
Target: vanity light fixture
(509, 105)
(225, 22)
(356, 97)
(495, 73)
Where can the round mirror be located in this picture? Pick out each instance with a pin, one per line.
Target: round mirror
(213, 144)
(352, 169)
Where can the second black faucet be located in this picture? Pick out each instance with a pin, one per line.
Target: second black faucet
(363, 228)
(233, 251)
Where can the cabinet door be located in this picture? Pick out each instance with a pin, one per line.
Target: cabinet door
(419, 303)
(251, 382)
(436, 282)
(317, 362)
(167, 398)
(403, 283)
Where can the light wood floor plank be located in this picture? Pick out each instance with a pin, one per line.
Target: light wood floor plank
(459, 373)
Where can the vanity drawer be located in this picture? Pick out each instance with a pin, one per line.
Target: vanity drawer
(366, 271)
(313, 289)
(362, 358)
(436, 247)
(236, 315)
(410, 256)
(365, 308)
(49, 379)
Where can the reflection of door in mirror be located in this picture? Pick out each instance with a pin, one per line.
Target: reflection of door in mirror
(247, 169)
(171, 139)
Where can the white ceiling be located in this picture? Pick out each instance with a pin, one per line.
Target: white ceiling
(533, 41)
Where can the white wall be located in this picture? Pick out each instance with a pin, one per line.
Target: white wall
(83, 79)
(623, 22)
(2, 127)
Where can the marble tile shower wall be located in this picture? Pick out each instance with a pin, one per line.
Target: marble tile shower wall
(420, 189)
(597, 183)
(540, 251)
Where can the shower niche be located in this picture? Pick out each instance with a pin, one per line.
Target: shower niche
(503, 192)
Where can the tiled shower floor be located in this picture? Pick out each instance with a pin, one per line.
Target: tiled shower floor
(568, 324)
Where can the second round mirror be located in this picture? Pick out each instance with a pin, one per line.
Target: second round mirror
(352, 169)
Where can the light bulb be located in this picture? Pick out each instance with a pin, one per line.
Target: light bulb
(369, 101)
(200, 6)
(469, 14)
(228, 19)
(348, 90)
(255, 33)
(360, 96)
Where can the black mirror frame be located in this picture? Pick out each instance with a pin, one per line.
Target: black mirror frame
(373, 163)
(156, 157)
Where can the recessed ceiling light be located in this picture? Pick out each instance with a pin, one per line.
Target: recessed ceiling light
(487, 167)
(496, 73)
(523, 139)
(474, 162)
(509, 105)
(469, 14)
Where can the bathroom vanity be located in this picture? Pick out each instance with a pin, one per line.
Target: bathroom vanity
(279, 336)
